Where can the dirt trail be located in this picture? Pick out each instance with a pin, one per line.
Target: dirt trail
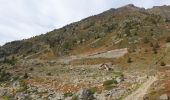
(142, 90)
(110, 54)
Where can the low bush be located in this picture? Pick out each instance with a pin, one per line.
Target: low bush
(4, 76)
(109, 82)
(23, 86)
(168, 39)
(156, 45)
(154, 50)
(49, 74)
(162, 63)
(31, 69)
(118, 74)
(25, 76)
(11, 61)
(145, 40)
(129, 60)
(75, 97)
(68, 94)
(109, 87)
(93, 90)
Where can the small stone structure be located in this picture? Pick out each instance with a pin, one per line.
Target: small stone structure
(106, 66)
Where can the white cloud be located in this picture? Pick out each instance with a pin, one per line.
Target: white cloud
(25, 18)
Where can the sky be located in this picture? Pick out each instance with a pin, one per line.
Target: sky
(21, 19)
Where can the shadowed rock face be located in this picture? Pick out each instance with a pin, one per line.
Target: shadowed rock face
(85, 94)
(126, 21)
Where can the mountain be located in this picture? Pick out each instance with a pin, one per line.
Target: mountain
(125, 22)
(121, 53)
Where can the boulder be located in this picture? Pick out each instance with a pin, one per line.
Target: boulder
(164, 97)
(68, 98)
(16, 85)
(20, 96)
(41, 90)
(55, 96)
(119, 79)
(32, 89)
(34, 97)
(85, 94)
(3, 92)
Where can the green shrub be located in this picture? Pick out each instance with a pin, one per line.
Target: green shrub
(154, 50)
(93, 90)
(31, 69)
(15, 78)
(6, 98)
(118, 74)
(25, 76)
(109, 82)
(11, 61)
(162, 63)
(145, 40)
(168, 39)
(167, 20)
(151, 44)
(75, 97)
(156, 45)
(129, 60)
(146, 50)
(68, 94)
(4, 76)
(67, 46)
(108, 87)
(49, 74)
(23, 87)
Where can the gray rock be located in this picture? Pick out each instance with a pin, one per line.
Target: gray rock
(120, 79)
(32, 89)
(68, 98)
(16, 85)
(85, 94)
(163, 97)
(41, 90)
(56, 96)
(33, 96)
(20, 96)
(3, 92)
(117, 93)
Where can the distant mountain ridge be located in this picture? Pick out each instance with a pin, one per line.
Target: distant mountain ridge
(161, 10)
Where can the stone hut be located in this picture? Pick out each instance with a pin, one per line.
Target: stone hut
(106, 66)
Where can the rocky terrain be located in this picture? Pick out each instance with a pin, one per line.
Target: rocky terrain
(120, 54)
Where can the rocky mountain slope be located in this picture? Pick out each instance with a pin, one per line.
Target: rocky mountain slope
(111, 56)
(128, 24)
(161, 10)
